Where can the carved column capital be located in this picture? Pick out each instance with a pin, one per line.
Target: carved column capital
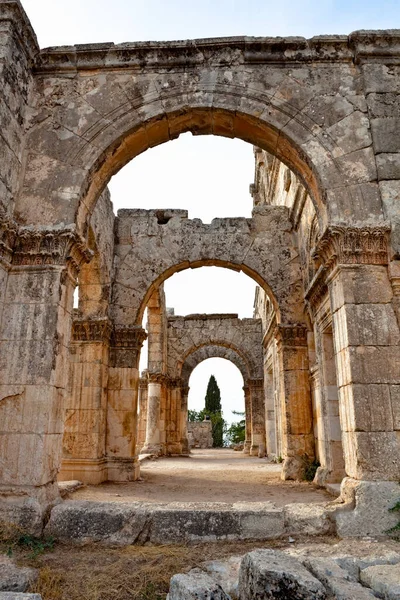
(91, 330)
(58, 247)
(353, 246)
(160, 378)
(292, 335)
(126, 342)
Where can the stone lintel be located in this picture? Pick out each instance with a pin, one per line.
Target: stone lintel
(376, 45)
(189, 53)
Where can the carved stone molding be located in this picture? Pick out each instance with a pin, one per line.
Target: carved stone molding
(255, 383)
(160, 378)
(126, 343)
(174, 383)
(91, 330)
(317, 290)
(292, 335)
(50, 247)
(353, 246)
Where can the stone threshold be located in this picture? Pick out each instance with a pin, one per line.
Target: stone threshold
(139, 522)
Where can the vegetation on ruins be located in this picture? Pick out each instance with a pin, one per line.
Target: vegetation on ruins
(236, 432)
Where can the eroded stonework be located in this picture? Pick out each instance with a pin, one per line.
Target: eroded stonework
(323, 244)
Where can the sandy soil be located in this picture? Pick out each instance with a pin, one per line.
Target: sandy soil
(217, 475)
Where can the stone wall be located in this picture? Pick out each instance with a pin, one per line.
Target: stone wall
(322, 243)
(200, 434)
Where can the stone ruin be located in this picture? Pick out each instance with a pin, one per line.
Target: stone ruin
(323, 245)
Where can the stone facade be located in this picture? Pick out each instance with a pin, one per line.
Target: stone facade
(323, 244)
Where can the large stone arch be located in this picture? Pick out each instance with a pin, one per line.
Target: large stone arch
(214, 350)
(94, 110)
(153, 245)
(194, 338)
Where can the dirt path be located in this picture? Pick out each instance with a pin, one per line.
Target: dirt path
(217, 475)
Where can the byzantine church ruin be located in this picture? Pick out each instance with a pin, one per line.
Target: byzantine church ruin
(320, 360)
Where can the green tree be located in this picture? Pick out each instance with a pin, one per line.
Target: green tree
(196, 415)
(213, 397)
(236, 432)
(213, 410)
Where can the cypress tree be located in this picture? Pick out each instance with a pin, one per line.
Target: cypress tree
(213, 410)
(213, 396)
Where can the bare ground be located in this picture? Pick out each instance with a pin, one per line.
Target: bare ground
(215, 475)
(143, 573)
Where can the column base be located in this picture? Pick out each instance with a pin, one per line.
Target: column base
(324, 475)
(156, 449)
(91, 471)
(363, 508)
(254, 450)
(26, 507)
(246, 448)
(292, 468)
(123, 469)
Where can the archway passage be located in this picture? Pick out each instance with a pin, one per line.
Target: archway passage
(324, 107)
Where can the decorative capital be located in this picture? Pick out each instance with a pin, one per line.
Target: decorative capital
(63, 247)
(292, 335)
(91, 330)
(158, 378)
(255, 383)
(126, 343)
(353, 246)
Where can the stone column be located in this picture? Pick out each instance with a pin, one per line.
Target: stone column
(295, 401)
(142, 413)
(154, 443)
(34, 363)
(184, 390)
(367, 355)
(123, 383)
(270, 420)
(256, 391)
(247, 408)
(175, 419)
(84, 441)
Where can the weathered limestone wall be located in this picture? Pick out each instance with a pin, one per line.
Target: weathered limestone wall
(327, 257)
(200, 434)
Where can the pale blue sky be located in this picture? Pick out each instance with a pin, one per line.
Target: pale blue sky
(208, 176)
(82, 21)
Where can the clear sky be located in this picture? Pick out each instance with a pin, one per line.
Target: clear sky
(207, 176)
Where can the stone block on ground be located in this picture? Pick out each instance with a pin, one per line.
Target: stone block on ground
(354, 564)
(366, 508)
(307, 519)
(195, 585)
(384, 580)
(226, 573)
(268, 574)
(336, 580)
(13, 578)
(19, 596)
